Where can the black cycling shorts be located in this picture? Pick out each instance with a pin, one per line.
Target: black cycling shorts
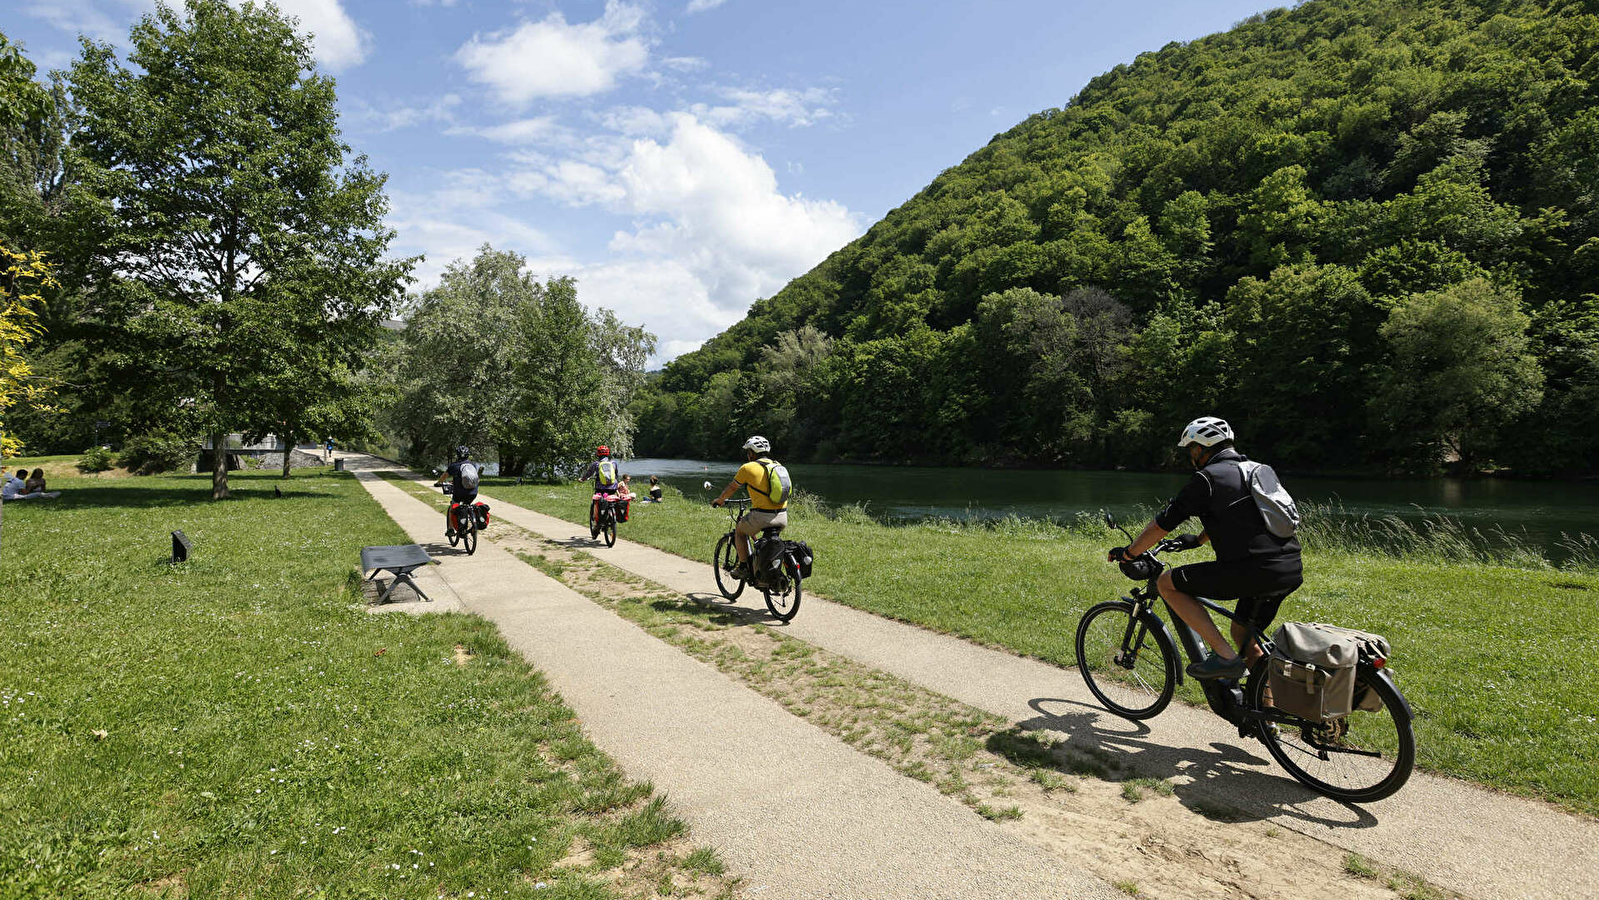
(1259, 586)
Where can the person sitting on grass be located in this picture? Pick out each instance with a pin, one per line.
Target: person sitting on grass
(17, 487)
(624, 490)
(655, 489)
(11, 485)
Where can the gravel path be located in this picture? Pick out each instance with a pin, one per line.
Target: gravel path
(1454, 834)
(793, 810)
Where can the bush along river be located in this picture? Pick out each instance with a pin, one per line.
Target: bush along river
(1494, 514)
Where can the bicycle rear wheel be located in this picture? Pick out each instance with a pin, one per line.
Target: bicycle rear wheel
(1360, 758)
(469, 540)
(785, 605)
(722, 562)
(610, 534)
(1129, 666)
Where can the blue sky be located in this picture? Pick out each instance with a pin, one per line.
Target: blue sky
(680, 158)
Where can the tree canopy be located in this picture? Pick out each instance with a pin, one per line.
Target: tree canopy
(244, 246)
(1260, 224)
(493, 358)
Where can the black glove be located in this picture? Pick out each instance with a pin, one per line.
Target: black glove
(1187, 541)
(1117, 554)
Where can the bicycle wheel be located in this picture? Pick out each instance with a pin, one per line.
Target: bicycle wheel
(784, 605)
(1129, 666)
(469, 540)
(1360, 758)
(610, 534)
(722, 562)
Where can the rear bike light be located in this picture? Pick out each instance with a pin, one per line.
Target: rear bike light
(1379, 662)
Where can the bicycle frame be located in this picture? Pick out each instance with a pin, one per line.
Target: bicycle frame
(1226, 698)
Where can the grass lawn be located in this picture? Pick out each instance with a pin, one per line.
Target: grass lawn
(238, 725)
(1493, 658)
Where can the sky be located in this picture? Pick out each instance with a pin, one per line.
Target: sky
(679, 158)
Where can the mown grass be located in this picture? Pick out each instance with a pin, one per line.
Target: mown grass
(238, 725)
(1493, 657)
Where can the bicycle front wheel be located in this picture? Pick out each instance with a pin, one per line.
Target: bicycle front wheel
(1360, 758)
(785, 605)
(1130, 666)
(723, 563)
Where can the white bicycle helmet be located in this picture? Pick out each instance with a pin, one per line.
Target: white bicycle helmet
(758, 444)
(1206, 431)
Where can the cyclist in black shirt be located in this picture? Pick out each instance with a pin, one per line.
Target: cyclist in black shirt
(1252, 565)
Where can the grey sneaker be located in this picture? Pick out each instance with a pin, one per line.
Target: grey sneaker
(1213, 666)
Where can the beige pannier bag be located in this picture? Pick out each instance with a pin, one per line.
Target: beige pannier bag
(1312, 670)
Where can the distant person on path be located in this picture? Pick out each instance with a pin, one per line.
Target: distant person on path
(463, 477)
(607, 479)
(1253, 566)
(655, 489)
(756, 476)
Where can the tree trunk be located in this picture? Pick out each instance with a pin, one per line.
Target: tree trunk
(219, 465)
(288, 449)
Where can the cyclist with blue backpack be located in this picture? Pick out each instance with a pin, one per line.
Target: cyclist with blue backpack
(769, 489)
(1249, 519)
(464, 478)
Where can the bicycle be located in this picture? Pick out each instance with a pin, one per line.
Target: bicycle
(1359, 758)
(463, 533)
(605, 520)
(779, 579)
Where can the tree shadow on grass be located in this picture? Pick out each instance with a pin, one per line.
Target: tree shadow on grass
(1234, 782)
(195, 490)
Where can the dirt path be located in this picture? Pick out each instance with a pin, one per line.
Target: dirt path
(794, 810)
(1453, 834)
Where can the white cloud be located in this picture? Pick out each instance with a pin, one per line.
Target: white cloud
(335, 38)
(453, 220)
(552, 58)
(709, 208)
(523, 131)
(793, 107)
(695, 6)
(90, 18)
(686, 63)
(440, 110)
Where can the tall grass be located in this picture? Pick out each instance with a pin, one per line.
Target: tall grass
(1329, 527)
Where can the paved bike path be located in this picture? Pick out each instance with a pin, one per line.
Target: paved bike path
(792, 809)
(1454, 834)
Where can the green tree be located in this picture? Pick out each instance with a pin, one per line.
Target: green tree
(1460, 370)
(241, 234)
(494, 357)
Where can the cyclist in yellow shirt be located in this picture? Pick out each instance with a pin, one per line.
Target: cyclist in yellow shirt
(764, 513)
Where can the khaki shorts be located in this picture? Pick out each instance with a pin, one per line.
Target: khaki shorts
(759, 519)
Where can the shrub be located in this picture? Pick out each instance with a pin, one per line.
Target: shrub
(96, 459)
(158, 451)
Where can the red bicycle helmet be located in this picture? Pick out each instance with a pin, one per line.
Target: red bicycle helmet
(602, 450)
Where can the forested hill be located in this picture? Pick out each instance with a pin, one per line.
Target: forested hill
(1362, 230)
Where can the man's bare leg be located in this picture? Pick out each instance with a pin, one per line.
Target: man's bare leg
(1196, 616)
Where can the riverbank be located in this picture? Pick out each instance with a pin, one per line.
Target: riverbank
(1487, 654)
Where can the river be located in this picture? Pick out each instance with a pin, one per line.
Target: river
(1538, 511)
